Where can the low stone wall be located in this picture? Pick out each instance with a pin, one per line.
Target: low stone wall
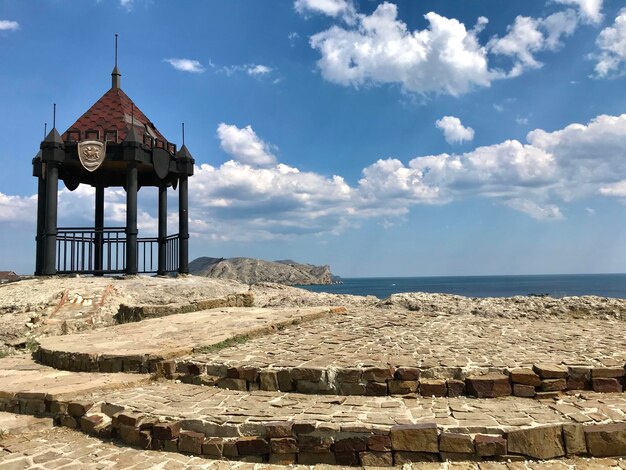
(133, 313)
(540, 381)
(289, 442)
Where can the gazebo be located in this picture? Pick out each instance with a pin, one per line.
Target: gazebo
(112, 145)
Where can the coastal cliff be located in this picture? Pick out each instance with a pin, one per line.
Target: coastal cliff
(253, 271)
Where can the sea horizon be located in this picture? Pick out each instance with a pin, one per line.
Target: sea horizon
(553, 285)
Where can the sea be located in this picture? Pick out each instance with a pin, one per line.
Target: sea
(555, 285)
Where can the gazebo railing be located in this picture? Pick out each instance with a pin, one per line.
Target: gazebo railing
(103, 251)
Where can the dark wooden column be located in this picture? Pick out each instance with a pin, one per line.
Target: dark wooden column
(183, 225)
(162, 270)
(98, 251)
(50, 217)
(131, 218)
(41, 214)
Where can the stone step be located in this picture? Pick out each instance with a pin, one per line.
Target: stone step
(140, 346)
(287, 428)
(64, 448)
(538, 381)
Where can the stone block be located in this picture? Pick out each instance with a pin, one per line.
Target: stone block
(69, 422)
(524, 376)
(303, 427)
(578, 383)
(129, 418)
(253, 446)
(279, 429)
(456, 388)
(268, 380)
(250, 374)
(376, 459)
(217, 370)
(458, 457)
(110, 409)
(376, 389)
(402, 457)
(166, 431)
(546, 395)
(407, 373)
(606, 385)
(456, 443)
(284, 445)
(145, 439)
(415, 437)
(59, 407)
(315, 444)
(348, 375)
(213, 447)
(489, 445)
(378, 374)
(574, 437)
(433, 388)
(544, 442)
(230, 449)
(607, 372)
(32, 407)
(283, 459)
(379, 443)
(521, 390)
(285, 384)
(606, 440)
(402, 387)
(307, 373)
(190, 442)
(129, 435)
(551, 371)
(351, 389)
(170, 445)
(489, 386)
(553, 385)
(232, 384)
(306, 458)
(351, 444)
(78, 408)
(95, 424)
(350, 459)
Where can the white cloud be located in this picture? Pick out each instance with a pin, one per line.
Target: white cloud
(615, 189)
(253, 196)
(293, 37)
(6, 25)
(127, 4)
(444, 58)
(590, 10)
(612, 44)
(528, 36)
(334, 8)
(186, 65)
(453, 131)
(258, 69)
(244, 146)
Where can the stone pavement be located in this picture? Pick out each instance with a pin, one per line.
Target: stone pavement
(62, 448)
(21, 377)
(133, 346)
(240, 413)
(376, 336)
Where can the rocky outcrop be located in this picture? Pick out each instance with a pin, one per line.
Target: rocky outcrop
(253, 271)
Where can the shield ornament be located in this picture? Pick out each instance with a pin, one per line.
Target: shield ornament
(91, 154)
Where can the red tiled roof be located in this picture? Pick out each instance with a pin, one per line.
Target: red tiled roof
(112, 112)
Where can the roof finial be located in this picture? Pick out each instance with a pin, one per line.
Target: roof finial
(54, 115)
(115, 75)
(132, 114)
(183, 133)
(45, 129)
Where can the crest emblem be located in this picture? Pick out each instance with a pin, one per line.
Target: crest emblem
(91, 154)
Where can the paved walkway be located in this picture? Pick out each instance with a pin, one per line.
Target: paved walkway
(239, 412)
(20, 375)
(375, 336)
(61, 448)
(175, 335)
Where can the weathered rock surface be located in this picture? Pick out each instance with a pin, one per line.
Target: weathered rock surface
(253, 271)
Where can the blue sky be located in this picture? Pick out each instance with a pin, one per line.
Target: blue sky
(383, 138)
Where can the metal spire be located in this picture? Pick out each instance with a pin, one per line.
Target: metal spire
(115, 75)
(183, 133)
(54, 115)
(45, 129)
